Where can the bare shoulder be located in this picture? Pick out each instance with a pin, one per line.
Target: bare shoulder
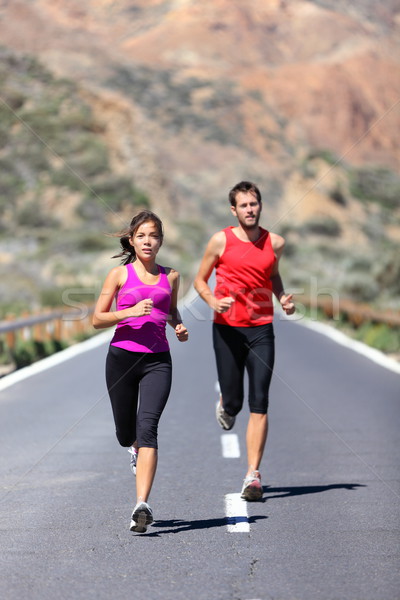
(171, 273)
(217, 243)
(277, 242)
(120, 270)
(117, 274)
(219, 237)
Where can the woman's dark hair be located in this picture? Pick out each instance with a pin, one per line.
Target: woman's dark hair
(246, 187)
(128, 253)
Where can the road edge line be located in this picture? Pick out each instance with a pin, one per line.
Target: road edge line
(54, 359)
(342, 339)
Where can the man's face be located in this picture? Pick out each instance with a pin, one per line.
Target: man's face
(247, 210)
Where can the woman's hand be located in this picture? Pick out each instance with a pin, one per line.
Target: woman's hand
(181, 332)
(142, 308)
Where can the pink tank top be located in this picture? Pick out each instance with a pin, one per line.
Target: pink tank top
(146, 333)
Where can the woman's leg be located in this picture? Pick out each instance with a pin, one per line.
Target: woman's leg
(122, 377)
(155, 387)
(145, 472)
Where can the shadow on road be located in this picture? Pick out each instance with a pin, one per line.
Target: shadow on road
(178, 525)
(286, 492)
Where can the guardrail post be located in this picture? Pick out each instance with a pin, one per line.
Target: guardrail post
(11, 336)
(58, 327)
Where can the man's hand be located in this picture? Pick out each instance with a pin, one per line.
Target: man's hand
(287, 304)
(181, 332)
(221, 305)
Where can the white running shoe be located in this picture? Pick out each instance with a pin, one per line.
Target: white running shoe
(252, 488)
(223, 419)
(142, 516)
(133, 452)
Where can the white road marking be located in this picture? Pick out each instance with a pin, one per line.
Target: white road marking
(230, 445)
(236, 514)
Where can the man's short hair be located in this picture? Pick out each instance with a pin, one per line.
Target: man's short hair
(246, 187)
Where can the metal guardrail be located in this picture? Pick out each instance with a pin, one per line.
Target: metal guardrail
(57, 324)
(357, 314)
(60, 324)
(13, 325)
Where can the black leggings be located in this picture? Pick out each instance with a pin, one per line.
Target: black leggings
(237, 348)
(126, 374)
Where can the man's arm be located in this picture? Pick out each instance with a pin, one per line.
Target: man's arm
(278, 244)
(213, 251)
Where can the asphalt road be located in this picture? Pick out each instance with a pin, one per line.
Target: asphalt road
(327, 528)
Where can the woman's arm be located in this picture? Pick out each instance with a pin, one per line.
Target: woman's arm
(174, 317)
(103, 316)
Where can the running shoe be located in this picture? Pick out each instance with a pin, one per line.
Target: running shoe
(133, 452)
(142, 516)
(223, 419)
(252, 488)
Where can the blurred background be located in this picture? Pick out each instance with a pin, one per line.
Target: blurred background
(111, 106)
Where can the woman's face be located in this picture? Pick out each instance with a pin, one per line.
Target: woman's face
(146, 241)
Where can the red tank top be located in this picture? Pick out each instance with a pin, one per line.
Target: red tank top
(243, 272)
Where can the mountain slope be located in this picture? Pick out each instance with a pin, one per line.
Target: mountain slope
(185, 100)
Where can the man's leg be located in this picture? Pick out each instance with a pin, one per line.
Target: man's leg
(259, 364)
(256, 437)
(230, 355)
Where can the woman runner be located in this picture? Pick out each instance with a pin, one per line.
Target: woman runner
(138, 362)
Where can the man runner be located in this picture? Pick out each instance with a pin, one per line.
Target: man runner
(246, 260)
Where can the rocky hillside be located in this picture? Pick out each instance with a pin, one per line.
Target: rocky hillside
(109, 105)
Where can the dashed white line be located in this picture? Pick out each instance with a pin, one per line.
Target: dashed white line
(235, 507)
(236, 513)
(230, 445)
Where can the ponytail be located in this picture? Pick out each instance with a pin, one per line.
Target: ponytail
(128, 253)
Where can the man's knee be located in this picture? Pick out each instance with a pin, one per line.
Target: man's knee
(259, 404)
(232, 404)
(258, 416)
